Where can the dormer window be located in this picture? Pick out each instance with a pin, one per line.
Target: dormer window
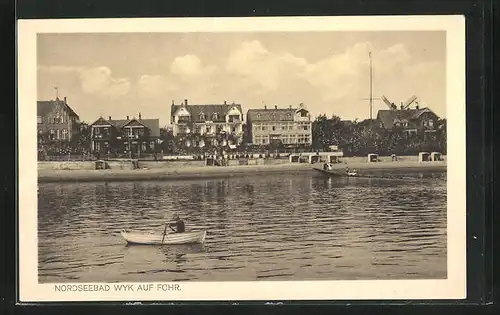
(203, 117)
(274, 116)
(215, 116)
(258, 115)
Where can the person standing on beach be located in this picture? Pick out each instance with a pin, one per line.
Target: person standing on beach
(178, 224)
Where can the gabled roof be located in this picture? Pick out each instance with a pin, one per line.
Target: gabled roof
(195, 110)
(152, 124)
(274, 114)
(388, 117)
(45, 107)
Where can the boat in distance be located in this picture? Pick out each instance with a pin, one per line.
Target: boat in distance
(136, 238)
(338, 172)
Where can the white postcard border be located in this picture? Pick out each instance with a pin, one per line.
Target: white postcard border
(454, 287)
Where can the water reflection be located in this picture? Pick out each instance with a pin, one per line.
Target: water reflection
(263, 227)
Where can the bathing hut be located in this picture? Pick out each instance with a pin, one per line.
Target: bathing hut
(436, 156)
(372, 157)
(317, 157)
(294, 158)
(423, 157)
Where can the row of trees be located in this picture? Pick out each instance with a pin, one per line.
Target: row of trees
(360, 138)
(355, 138)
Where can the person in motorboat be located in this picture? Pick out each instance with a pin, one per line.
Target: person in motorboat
(178, 224)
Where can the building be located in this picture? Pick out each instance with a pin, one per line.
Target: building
(219, 124)
(133, 136)
(409, 120)
(289, 126)
(57, 119)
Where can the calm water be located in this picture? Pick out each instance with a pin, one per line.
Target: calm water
(277, 227)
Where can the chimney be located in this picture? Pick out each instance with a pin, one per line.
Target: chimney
(65, 102)
(139, 115)
(128, 118)
(173, 102)
(275, 106)
(265, 107)
(185, 102)
(225, 103)
(290, 106)
(416, 106)
(109, 117)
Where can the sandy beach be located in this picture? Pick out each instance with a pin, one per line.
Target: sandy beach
(205, 172)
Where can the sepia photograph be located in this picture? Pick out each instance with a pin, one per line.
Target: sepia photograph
(233, 158)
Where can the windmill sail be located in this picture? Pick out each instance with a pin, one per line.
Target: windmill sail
(409, 102)
(388, 103)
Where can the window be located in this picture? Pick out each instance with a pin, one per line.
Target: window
(234, 129)
(39, 119)
(64, 134)
(144, 146)
(305, 127)
(215, 116)
(203, 117)
(264, 128)
(274, 128)
(258, 115)
(273, 116)
(58, 134)
(431, 123)
(152, 145)
(208, 129)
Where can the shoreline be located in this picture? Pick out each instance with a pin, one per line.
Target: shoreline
(209, 172)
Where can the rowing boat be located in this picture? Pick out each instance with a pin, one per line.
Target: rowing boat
(338, 173)
(136, 238)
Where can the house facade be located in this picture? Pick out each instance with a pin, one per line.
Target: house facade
(218, 124)
(133, 136)
(290, 126)
(57, 119)
(410, 121)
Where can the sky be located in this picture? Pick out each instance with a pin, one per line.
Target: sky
(119, 75)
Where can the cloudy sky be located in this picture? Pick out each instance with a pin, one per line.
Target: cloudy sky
(121, 74)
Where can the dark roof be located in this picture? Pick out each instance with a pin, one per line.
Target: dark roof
(152, 124)
(273, 114)
(388, 117)
(207, 109)
(45, 107)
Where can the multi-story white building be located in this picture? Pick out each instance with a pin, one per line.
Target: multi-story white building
(220, 124)
(290, 126)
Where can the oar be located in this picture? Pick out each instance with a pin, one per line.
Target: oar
(164, 233)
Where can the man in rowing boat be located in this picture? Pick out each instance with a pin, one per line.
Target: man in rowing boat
(178, 224)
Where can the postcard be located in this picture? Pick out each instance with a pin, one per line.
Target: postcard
(223, 159)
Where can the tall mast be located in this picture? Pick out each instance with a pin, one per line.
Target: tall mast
(371, 86)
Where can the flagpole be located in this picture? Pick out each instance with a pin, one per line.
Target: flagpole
(371, 86)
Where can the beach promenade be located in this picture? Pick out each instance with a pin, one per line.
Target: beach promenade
(183, 171)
